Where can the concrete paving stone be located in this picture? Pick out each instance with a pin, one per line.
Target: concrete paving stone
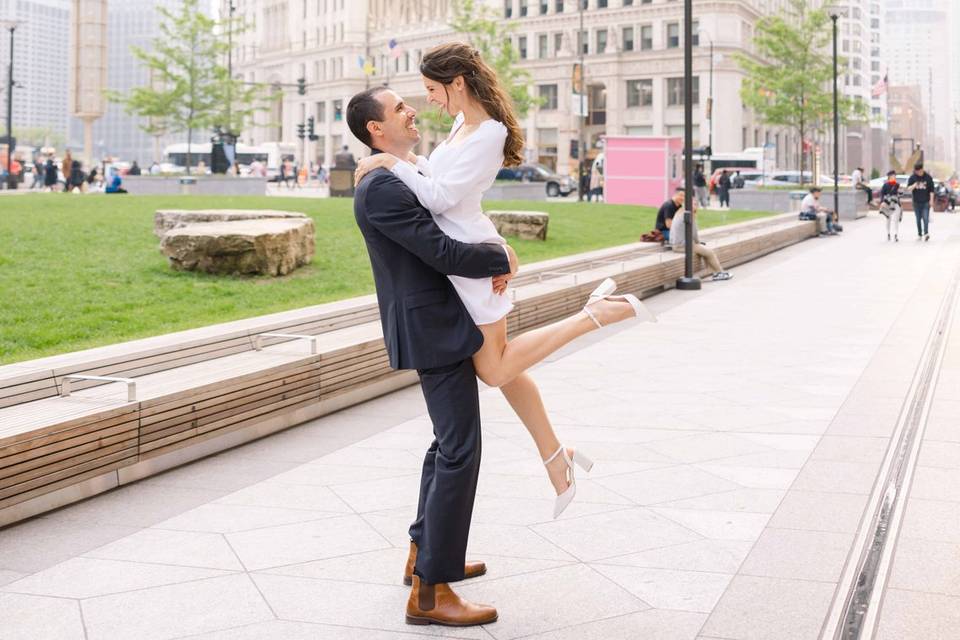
(28, 617)
(715, 556)
(224, 472)
(669, 589)
(303, 542)
(790, 427)
(354, 456)
(736, 419)
(934, 520)
(936, 483)
(717, 525)
(228, 518)
(398, 406)
(176, 610)
(653, 623)
(498, 449)
(281, 495)
(134, 505)
(294, 446)
(517, 542)
(322, 474)
(752, 477)
(922, 565)
(908, 615)
(816, 511)
(936, 453)
(784, 441)
(662, 485)
(942, 429)
(525, 511)
(90, 577)
(533, 467)
(754, 608)
(830, 476)
(392, 525)
(181, 548)
(708, 446)
(287, 630)
(803, 555)
(766, 460)
(575, 433)
(620, 452)
(376, 495)
(863, 425)
(506, 486)
(348, 604)
(614, 534)
(7, 577)
(43, 542)
(745, 500)
(866, 401)
(539, 602)
(396, 440)
(850, 449)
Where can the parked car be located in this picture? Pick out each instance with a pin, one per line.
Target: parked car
(941, 198)
(556, 184)
(749, 175)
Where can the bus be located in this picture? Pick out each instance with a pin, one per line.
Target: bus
(272, 154)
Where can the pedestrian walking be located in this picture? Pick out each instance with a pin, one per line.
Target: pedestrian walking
(700, 186)
(67, 168)
(723, 188)
(921, 187)
(50, 174)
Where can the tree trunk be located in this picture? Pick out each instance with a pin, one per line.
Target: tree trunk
(803, 155)
(189, 145)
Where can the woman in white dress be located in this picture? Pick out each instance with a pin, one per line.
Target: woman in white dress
(451, 183)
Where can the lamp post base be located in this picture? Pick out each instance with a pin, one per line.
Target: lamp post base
(688, 284)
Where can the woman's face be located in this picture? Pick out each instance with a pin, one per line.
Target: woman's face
(445, 96)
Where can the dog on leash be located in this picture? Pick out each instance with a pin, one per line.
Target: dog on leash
(891, 210)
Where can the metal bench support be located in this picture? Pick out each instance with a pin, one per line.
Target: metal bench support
(131, 385)
(258, 340)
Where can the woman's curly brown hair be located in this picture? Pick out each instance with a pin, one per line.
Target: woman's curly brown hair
(444, 63)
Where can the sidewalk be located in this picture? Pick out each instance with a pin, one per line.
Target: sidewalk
(736, 443)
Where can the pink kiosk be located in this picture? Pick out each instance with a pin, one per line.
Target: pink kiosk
(642, 170)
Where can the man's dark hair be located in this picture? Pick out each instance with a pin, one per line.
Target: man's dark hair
(816, 190)
(918, 166)
(891, 172)
(361, 109)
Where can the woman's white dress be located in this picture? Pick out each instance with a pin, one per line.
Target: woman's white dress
(451, 185)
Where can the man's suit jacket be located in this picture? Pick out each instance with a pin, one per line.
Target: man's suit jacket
(425, 325)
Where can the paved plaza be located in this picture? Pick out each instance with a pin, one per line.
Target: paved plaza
(738, 443)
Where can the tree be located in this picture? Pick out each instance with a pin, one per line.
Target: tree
(190, 88)
(789, 82)
(478, 22)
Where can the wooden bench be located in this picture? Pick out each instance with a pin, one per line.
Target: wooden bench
(204, 390)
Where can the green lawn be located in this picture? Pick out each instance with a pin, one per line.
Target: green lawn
(83, 271)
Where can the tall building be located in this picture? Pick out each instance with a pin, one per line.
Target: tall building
(633, 61)
(41, 64)
(917, 47)
(116, 133)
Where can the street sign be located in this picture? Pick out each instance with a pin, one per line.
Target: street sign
(579, 105)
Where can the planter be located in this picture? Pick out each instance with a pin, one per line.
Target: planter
(517, 191)
(195, 185)
(852, 203)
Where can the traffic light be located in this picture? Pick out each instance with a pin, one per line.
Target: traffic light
(300, 129)
(310, 132)
(302, 86)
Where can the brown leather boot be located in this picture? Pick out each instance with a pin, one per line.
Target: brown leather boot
(470, 569)
(438, 604)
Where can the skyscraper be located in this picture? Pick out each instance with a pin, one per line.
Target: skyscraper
(41, 64)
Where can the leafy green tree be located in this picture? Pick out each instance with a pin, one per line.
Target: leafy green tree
(788, 82)
(478, 22)
(190, 88)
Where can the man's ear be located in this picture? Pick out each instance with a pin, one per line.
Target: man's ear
(375, 129)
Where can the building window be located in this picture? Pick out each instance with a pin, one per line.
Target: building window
(544, 7)
(628, 3)
(695, 38)
(337, 110)
(602, 41)
(583, 42)
(507, 8)
(522, 47)
(547, 148)
(673, 35)
(321, 112)
(523, 8)
(627, 38)
(548, 97)
(543, 44)
(675, 91)
(601, 4)
(557, 43)
(639, 93)
(646, 37)
(558, 6)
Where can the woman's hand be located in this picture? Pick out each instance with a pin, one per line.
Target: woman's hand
(368, 164)
(412, 158)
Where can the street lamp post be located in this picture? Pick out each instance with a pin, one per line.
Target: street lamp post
(836, 124)
(581, 91)
(710, 99)
(688, 282)
(11, 179)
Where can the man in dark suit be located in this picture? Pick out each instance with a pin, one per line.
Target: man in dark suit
(427, 328)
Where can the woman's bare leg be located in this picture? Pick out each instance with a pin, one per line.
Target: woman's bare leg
(498, 361)
(524, 397)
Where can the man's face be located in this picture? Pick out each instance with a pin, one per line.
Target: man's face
(816, 195)
(919, 172)
(399, 122)
(678, 198)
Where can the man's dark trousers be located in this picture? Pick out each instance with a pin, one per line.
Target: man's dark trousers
(450, 471)
(922, 212)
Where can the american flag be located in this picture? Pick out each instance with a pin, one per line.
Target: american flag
(880, 88)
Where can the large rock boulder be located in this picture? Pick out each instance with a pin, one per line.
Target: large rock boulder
(166, 219)
(271, 246)
(526, 225)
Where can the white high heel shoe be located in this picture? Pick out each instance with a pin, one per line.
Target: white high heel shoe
(604, 291)
(564, 499)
